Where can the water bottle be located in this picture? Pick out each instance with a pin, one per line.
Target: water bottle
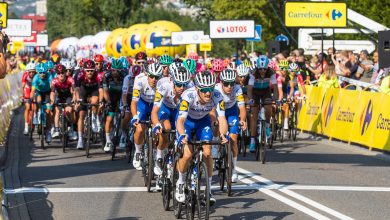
(194, 177)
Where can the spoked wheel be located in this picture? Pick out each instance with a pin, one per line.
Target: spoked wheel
(88, 135)
(262, 146)
(222, 168)
(202, 192)
(221, 176)
(42, 136)
(64, 134)
(271, 137)
(129, 147)
(115, 137)
(150, 162)
(190, 198)
(229, 169)
(294, 125)
(177, 206)
(166, 189)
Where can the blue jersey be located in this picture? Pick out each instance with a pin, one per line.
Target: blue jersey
(42, 85)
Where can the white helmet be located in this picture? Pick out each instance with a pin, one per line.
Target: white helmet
(173, 67)
(181, 75)
(68, 64)
(232, 65)
(253, 63)
(242, 70)
(155, 69)
(205, 79)
(30, 66)
(228, 75)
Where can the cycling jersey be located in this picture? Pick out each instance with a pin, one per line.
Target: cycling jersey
(191, 106)
(84, 81)
(114, 87)
(63, 89)
(42, 85)
(230, 100)
(142, 89)
(283, 82)
(27, 81)
(128, 84)
(165, 95)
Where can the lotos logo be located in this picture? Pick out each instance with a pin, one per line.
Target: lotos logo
(365, 117)
(220, 29)
(329, 110)
(336, 14)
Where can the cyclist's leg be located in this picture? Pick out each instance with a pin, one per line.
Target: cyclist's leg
(189, 126)
(253, 121)
(82, 114)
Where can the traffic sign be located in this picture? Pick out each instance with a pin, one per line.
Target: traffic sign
(257, 37)
(3, 14)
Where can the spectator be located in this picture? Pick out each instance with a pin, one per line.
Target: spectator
(366, 67)
(314, 67)
(3, 64)
(375, 70)
(331, 54)
(329, 79)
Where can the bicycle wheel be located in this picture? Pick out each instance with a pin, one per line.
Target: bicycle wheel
(88, 134)
(166, 188)
(42, 129)
(229, 168)
(190, 195)
(262, 146)
(221, 175)
(177, 206)
(144, 162)
(150, 161)
(295, 125)
(271, 137)
(203, 192)
(64, 131)
(115, 139)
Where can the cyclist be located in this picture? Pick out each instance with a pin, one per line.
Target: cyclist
(40, 90)
(190, 65)
(235, 111)
(27, 79)
(62, 92)
(69, 67)
(50, 68)
(218, 66)
(88, 84)
(99, 60)
(141, 60)
(196, 111)
(127, 88)
(284, 81)
(260, 88)
(141, 106)
(112, 89)
(165, 109)
(165, 60)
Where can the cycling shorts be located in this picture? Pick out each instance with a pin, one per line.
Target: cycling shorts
(26, 93)
(166, 113)
(296, 92)
(115, 99)
(233, 120)
(87, 92)
(45, 97)
(201, 128)
(261, 95)
(144, 109)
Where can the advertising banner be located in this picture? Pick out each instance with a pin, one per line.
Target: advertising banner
(186, 37)
(18, 28)
(232, 29)
(315, 14)
(3, 14)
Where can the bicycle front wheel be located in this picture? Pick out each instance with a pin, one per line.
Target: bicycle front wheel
(203, 192)
(262, 146)
(229, 169)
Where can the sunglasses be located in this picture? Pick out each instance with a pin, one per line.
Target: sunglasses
(227, 84)
(206, 90)
(262, 69)
(164, 66)
(31, 72)
(89, 71)
(140, 62)
(154, 77)
(69, 70)
(180, 84)
(60, 73)
(243, 77)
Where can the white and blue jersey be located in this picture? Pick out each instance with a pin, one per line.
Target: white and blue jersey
(197, 114)
(144, 94)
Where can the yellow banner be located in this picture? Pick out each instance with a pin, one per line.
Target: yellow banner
(205, 47)
(190, 48)
(3, 14)
(315, 14)
(353, 116)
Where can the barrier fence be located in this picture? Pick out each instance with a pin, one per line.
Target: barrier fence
(10, 91)
(360, 117)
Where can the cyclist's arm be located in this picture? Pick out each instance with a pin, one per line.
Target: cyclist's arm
(292, 86)
(125, 90)
(106, 94)
(280, 87)
(220, 109)
(182, 116)
(157, 103)
(52, 93)
(250, 87)
(301, 83)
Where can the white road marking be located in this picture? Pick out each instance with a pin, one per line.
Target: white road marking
(294, 195)
(338, 188)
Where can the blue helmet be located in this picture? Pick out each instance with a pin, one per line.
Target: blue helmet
(125, 62)
(262, 62)
(49, 64)
(41, 68)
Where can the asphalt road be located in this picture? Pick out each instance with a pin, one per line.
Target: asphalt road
(307, 179)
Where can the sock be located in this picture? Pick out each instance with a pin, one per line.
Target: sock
(25, 125)
(234, 164)
(80, 136)
(181, 178)
(252, 140)
(159, 154)
(210, 179)
(138, 148)
(108, 138)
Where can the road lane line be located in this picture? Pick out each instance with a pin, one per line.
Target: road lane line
(294, 195)
(288, 201)
(338, 188)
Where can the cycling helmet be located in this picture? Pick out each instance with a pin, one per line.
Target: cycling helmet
(178, 60)
(247, 63)
(135, 70)
(181, 75)
(218, 65)
(152, 60)
(49, 64)
(283, 64)
(173, 67)
(190, 64)
(60, 69)
(30, 66)
(166, 60)
(55, 58)
(228, 75)
(41, 68)
(232, 65)
(272, 64)
(107, 66)
(205, 79)
(89, 65)
(68, 64)
(155, 69)
(242, 70)
(262, 62)
(226, 62)
(193, 56)
(140, 56)
(125, 63)
(98, 58)
(293, 67)
(116, 64)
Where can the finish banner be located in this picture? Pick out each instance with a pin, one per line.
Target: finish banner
(353, 116)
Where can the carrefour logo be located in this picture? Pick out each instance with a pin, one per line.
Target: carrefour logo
(334, 14)
(328, 111)
(365, 117)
